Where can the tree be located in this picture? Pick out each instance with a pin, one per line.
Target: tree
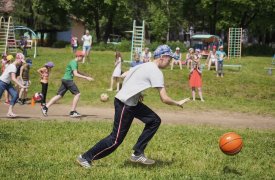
(42, 16)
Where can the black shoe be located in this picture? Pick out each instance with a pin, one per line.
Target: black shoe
(44, 110)
(20, 101)
(74, 114)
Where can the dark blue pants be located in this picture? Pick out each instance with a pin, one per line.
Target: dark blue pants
(220, 68)
(123, 119)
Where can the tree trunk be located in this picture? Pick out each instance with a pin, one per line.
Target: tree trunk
(109, 26)
(213, 21)
(97, 28)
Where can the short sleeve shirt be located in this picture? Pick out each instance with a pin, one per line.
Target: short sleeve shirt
(69, 70)
(87, 40)
(177, 56)
(220, 55)
(6, 76)
(138, 79)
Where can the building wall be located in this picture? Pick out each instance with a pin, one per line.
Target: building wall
(77, 29)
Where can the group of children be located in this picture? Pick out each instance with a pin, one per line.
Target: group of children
(18, 71)
(192, 62)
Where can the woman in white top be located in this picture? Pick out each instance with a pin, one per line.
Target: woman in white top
(5, 82)
(212, 59)
(87, 44)
(117, 71)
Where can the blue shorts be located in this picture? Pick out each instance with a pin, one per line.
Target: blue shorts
(86, 48)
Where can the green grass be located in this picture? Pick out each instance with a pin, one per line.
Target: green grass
(48, 149)
(250, 90)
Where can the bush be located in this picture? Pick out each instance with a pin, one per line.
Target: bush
(124, 46)
(258, 50)
(59, 44)
(172, 44)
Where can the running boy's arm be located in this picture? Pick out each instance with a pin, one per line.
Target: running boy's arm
(167, 100)
(124, 74)
(77, 74)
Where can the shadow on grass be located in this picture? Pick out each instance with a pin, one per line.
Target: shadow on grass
(158, 163)
(17, 117)
(229, 170)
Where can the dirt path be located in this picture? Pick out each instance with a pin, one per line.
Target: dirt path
(217, 118)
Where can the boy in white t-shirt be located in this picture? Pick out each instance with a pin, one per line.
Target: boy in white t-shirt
(128, 106)
(5, 82)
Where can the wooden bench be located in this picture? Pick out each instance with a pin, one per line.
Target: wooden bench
(29, 43)
(269, 70)
(233, 66)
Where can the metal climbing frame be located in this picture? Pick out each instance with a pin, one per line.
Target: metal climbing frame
(7, 36)
(34, 37)
(235, 43)
(138, 39)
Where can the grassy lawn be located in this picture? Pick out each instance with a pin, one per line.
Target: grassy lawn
(47, 150)
(249, 90)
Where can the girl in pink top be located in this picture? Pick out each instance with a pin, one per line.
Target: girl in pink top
(44, 74)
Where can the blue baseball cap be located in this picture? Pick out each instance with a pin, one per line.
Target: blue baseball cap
(163, 50)
(29, 62)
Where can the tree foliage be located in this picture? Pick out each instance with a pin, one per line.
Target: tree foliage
(165, 19)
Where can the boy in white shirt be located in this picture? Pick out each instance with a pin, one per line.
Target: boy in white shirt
(128, 106)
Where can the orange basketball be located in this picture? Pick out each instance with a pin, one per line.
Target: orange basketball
(231, 143)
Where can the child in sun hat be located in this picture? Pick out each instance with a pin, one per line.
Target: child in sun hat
(5, 82)
(25, 78)
(220, 57)
(44, 78)
(67, 83)
(195, 77)
(128, 105)
(5, 62)
(177, 59)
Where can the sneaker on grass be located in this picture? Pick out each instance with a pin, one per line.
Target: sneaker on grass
(83, 162)
(141, 159)
(74, 114)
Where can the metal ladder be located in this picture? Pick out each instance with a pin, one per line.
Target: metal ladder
(7, 36)
(138, 39)
(235, 43)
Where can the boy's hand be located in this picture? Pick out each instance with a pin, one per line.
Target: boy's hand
(181, 102)
(90, 79)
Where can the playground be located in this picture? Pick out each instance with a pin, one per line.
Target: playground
(248, 111)
(47, 138)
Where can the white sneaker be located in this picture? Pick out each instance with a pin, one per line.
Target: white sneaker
(141, 159)
(83, 162)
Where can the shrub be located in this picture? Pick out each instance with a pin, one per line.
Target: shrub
(172, 44)
(258, 50)
(59, 44)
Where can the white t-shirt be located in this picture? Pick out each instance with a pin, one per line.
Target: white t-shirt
(138, 79)
(6, 76)
(87, 40)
